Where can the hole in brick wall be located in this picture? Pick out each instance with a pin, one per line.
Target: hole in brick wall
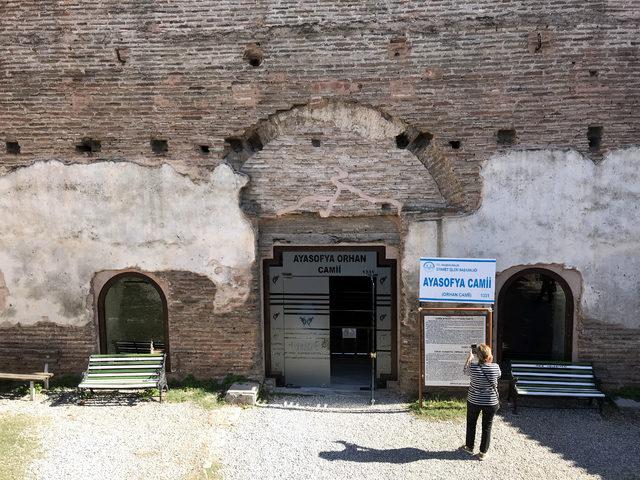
(88, 145)
(315, 142)
(254, 142)
(455, 144)
(234, 143)
(422, 140)
(398, 48)
(159, 146)
(539, 43)
(254, 54)
(506, 137)
(13, 148)
(594, 135)
(593, 73)
(385, 206)
(204, 149)
(402, 141)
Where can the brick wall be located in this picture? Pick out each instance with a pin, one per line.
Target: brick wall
(206, 344)
(202, 342)
(197, 74)
(614, 351)
(123, 72)
(25, 349)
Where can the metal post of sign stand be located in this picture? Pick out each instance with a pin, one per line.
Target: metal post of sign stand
(489, 331)
(373, 353)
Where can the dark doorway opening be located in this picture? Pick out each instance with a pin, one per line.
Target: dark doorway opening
(535, 310)
(352, 330)
(132, 313)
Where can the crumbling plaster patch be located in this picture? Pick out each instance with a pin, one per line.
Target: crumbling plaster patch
(63, 223)
(4, 294)
(557, 207)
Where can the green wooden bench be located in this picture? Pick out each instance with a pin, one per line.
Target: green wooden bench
(123, 371)
(554, 379)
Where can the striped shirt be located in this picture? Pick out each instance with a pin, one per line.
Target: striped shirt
(481, 387)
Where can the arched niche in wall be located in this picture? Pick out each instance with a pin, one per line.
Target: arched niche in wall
(535, 315)
(132, 315)
(342, 159)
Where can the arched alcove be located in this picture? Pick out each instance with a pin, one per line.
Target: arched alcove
(535, 317)
(327, 150)
(132, 315)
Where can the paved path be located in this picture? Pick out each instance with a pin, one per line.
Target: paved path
(340, 437)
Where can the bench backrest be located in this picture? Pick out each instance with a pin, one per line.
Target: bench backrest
(134, 347)
(125, 366)
(539, 374)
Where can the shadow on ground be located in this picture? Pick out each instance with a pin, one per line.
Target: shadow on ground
(606, 445)
(357, 453)
(66, 398)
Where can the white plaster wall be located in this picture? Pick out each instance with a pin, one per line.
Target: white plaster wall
(59, 225)
(421, 241)
(559, 207)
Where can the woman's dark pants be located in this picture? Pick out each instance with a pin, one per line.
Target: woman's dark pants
(473, 411)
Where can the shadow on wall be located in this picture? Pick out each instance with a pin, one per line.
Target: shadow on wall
(607, 447)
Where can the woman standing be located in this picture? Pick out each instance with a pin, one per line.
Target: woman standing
(482, 397)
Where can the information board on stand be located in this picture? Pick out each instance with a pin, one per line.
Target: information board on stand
(447, 333)
(447, 341)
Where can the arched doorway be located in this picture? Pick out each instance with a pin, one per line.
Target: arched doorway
(535, 317)
(132, 314)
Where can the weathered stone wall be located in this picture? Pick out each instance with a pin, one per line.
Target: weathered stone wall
(556, 208)
(204, 342)
(124, 72)
(403, 96)
(26, 348)
(62, 224)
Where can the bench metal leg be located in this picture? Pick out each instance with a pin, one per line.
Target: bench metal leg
(601, 406)
(515, 404)
(160, 394)
(32, 389)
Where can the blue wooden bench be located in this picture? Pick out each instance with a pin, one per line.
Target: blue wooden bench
(123, 371)
(554, 379)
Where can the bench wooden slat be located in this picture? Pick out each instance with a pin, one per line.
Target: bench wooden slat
(120, 386)
(563, 394)
(42, 376)
(126, 357)
(550, 365)
(539, 382)
(121, 367)
(563, 371)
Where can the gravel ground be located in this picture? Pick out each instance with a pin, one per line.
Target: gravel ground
(320, 437)
(118, 439)
(340, 437)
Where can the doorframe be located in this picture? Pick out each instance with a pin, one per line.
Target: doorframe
(569, 310)
(382, 261)
(102, 324)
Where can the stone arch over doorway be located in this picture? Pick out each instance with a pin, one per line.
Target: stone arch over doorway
(370, 128)
(536, 313)
(132, 309)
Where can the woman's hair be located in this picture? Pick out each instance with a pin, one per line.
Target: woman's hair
(484, 353)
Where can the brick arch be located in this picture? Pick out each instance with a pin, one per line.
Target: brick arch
(367, 121)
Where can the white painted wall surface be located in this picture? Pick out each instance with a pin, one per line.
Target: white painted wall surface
(59, 225)
(559, 207)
